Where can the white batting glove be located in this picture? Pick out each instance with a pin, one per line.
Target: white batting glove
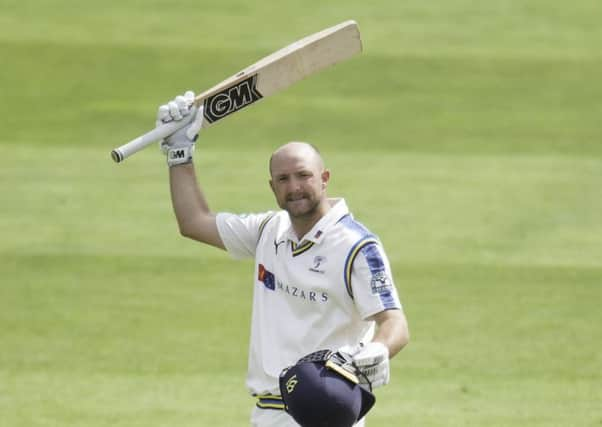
(179, 147)
(372, 360)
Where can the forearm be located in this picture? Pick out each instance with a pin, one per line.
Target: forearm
(372, 359)
(392, 330)
(195, 220)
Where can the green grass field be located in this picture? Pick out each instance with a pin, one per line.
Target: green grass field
(467, 135)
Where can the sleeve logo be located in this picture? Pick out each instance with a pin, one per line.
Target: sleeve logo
(380, 283)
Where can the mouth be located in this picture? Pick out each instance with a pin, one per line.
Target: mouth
(298, 205)
(296, 198)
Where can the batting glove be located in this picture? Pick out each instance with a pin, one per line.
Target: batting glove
(179, 146)
(372, 362)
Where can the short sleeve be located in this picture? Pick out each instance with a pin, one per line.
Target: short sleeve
(372, 281)
(240, 233)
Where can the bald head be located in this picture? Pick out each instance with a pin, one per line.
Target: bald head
(297, 151)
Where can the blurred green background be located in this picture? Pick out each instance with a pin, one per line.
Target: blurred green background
(467, 135)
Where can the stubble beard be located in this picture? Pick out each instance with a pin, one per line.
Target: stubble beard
(306, 214)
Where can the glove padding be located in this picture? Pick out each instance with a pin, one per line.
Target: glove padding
(179, 146)
(372, 362)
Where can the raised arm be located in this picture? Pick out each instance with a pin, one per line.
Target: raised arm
(194, 218)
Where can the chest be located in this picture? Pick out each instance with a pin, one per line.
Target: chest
(305, 273)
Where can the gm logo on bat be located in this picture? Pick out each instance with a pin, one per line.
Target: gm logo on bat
(231, 99)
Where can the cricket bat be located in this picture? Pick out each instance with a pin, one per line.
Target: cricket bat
(261, 79)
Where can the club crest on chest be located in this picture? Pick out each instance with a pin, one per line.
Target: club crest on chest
(318, 264)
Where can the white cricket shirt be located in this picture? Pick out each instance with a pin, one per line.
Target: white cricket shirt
(309, 294)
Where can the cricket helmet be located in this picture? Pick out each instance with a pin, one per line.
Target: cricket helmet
(322, 389)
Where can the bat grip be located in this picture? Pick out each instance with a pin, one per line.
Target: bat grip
(121, 153)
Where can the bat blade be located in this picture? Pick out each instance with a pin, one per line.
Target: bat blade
(264, 78)
(281, 69)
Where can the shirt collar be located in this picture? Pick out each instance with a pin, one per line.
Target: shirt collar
(338, 209)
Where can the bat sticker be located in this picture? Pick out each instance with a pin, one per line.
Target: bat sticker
(231, 99)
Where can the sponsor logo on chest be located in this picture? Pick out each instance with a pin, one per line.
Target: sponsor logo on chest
(294, 291)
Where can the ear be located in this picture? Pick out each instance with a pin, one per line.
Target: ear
(325, 178)
(272, 186)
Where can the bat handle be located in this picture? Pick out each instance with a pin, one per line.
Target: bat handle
(119, 154)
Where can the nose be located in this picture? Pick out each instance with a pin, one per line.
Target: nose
(293, 185)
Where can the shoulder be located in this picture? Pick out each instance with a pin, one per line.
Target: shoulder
(272, 223)
(358, 239)
(240, 233)
(353, 231)
(248, 223)
(274, 219)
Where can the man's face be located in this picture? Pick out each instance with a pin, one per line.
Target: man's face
(299, 184)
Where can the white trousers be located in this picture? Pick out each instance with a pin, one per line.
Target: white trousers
(277, 418)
